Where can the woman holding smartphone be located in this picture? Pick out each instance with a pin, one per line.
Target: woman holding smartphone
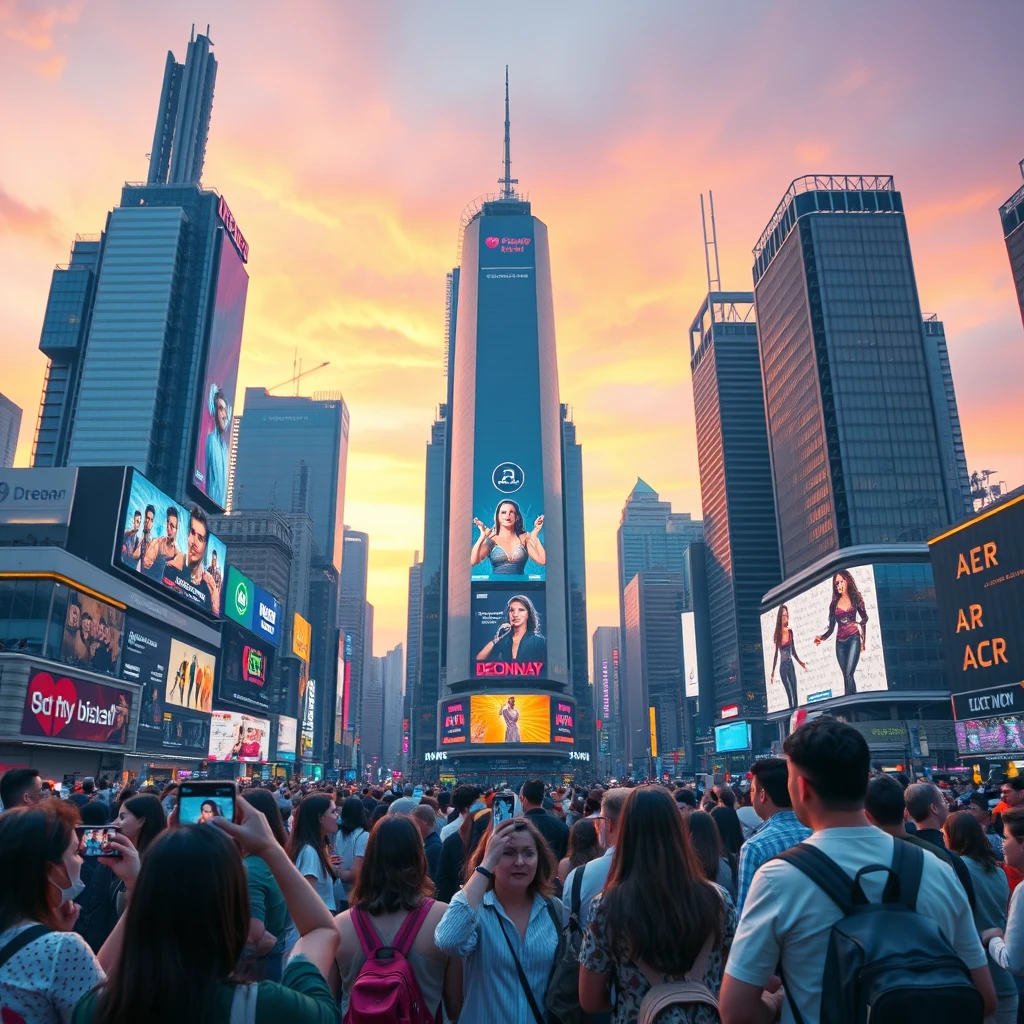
(316, 822)
(505, 925)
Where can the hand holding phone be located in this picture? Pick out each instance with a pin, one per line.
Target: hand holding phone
(94, 840)
(201, 802)
(504, 807)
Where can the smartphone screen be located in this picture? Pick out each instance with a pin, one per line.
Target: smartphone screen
(201, 801)
(504, 808)
(94, 840)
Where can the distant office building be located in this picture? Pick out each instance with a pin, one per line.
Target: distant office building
(853, 423)
(393, 676)
(10, 425)
(352, 617)
(278, 433)
(657, 716)
(606, 690)
(323, 660)
(260, 541)
(371, 732)
(742, 557)
(1011, 213)
(576, 578)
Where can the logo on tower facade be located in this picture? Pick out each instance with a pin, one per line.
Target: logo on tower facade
(492, 242)
(508, 477)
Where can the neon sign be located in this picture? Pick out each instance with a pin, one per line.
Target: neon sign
(232, 228)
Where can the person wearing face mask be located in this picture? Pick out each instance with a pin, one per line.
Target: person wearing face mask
(45, 968)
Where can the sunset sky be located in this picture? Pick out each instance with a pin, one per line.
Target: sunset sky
(348, 138)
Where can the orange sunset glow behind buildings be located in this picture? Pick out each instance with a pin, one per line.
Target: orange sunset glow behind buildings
(349, 137)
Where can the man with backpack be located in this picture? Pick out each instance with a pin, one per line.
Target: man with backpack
(840, 925)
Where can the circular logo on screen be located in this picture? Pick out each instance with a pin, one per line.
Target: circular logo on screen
(508, 477)
(241, 599)
(491, 242)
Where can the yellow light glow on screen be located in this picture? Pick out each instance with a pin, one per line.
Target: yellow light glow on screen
(531, 715)
(653, 712)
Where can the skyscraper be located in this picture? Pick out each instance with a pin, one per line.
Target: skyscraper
(371, 730)
(606, 647)
(276, 435)
(392, 677)
(10, 425)
(1011, 214)
(742, 558)
(352, 618)
(852, 419)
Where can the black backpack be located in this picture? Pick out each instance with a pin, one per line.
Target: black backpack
(563, 995)
(885, 962)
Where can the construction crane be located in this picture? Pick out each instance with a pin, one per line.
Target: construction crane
(298, 373)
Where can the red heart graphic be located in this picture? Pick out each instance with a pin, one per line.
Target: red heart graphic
(491, 242)
(62, 692)
(67, 693)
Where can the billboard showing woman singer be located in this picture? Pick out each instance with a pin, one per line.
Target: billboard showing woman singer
(508, 541)
(510, 718)
(218, 395)
(507, 637)
(825, 642)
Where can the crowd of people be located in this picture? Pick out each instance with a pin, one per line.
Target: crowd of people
(646, 903)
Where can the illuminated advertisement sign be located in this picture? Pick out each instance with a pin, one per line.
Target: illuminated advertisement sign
(252, 607)
(232, 229)
(979, 589)
(510, 718)
(563, 721)
(606, 702)
(170, 545)
(339, 693)
(63, 708)
(245, 670)
(237, 737)
(505, 540)
(652, 714)
(308, 718)
(507, 636)
(454, 717)
(93, 634)
(302, 635)
(217, 399)
(824, 642)
(732, 737)
(190, 673)
(287, 735)
(690, 656)
(990, 736)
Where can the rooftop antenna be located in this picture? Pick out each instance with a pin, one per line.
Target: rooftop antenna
(711, 248)
(506, 183)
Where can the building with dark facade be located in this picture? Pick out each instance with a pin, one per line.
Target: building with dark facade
(323, 658)
(261, 546)
(10, 426)
(852, 418)
(1011, 214)
(352, 618)
(606, 689)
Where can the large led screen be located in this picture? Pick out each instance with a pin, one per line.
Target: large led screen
(236, 737)
(287, 734)
(825, 642)
(190, 673)
(510, 718)
(245, 670)
(507, 633)
(732, 737)
(69, 708)
(93, 632)
(253, 607)
(454, 715)
(692, 682)
(990, 736)
(171, 545)
(218, 395)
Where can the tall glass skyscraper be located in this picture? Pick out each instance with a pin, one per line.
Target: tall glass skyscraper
(1011, 214)
(10, 425)
(852, 417)
(606, 648)
(352, 619)
(742, 557)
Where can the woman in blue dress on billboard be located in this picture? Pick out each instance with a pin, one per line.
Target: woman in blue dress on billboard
(851, 636)
(518, 638)
(785, 655)
(507, 544)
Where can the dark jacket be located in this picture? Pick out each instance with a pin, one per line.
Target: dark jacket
(448, 876)
(553, 829)
(99, 907)
(432, 847)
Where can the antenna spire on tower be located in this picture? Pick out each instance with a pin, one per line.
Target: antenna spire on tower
(506, 183)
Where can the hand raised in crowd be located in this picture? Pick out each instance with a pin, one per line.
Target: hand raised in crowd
(253, 834)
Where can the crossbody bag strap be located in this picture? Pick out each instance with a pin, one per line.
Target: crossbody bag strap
(576, 897)
(21, 940)
(523, 980)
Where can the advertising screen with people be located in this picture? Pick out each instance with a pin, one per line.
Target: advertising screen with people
(218, 395)
(825, 642)
(171, 545)
(510, 718)
(64, 708)
(93, 633)
(190, 674)
(507, 633)
(239, 737)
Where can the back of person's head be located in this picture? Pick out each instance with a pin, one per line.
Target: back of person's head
(612, 802)
(432, 803)
(408, 790)
(266, 803)
(772, 775)
(729, 828)
(464, 797)
(980, 801)
(95, 812)
(685, 798)
(964, 836)
(706, 842)
(178, 949)
(533, 791)
(394, 874)
(88, 785)
(920, 798)
(34, 842)
(389, 798)
(169, 790)
(834, 760)
(1013, 822)
(379, 812)
(443, 800)
(726, 796)
(14, 784)
(584, 842)
(884, 801)
(424, 813)
(353, 815)
(657, 902)
(103, 782)
(154, 821)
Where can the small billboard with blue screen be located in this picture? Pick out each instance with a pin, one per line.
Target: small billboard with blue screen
(732, 737)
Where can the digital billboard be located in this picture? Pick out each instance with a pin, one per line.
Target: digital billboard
(692, 682)
(210, 474)
(454, 716)
(64, 707)
(510, 718)
(302, 635)
(252, 607)
(732, 737)
(990, 736)
(245, 670)
(507, 634)
(238, 737)
(308, 721)
(190, 675)
(824, 642)
(979, 588)
(171, 545)
(93, 633)
(287, 734)
(144, 661)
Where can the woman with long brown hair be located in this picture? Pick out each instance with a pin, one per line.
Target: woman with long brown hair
(315, 826)
(657, 916)
(846, 611)
(785, 649)
(584, 846)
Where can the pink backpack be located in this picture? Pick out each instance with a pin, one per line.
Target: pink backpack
(386, 990)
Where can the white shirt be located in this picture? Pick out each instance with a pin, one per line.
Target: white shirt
(452, 826)
(787, 917)
(348, 848)
(309, 864)
(594, 877)
(749, 821)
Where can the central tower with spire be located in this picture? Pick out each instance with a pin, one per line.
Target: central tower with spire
(506, 182)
